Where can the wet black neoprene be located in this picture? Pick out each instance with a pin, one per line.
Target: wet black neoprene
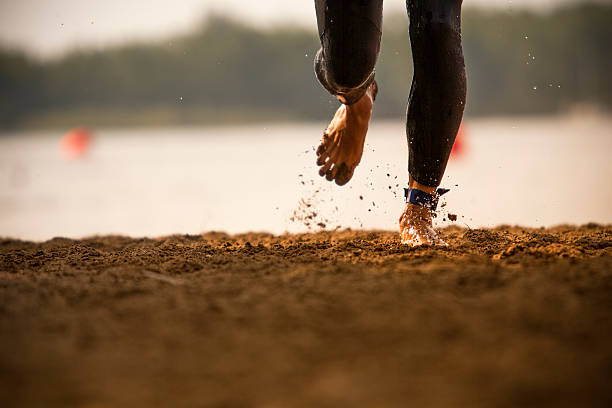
(350, 33)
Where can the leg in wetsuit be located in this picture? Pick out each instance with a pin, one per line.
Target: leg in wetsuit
(350, 32)
(438, 92)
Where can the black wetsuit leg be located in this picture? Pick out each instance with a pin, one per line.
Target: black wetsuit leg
(437, 96)
(350, 32)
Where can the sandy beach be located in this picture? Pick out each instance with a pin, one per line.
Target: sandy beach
(503, 317)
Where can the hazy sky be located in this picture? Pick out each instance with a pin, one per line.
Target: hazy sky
(48, 27)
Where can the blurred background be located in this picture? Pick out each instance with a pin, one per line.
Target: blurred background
(156, 117)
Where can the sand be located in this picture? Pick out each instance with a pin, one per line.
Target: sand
(504, 317)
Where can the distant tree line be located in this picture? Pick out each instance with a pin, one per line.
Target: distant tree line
(518, 63)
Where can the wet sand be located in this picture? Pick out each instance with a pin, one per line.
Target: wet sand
(504, 317)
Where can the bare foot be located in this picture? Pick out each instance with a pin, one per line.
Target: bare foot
(416, 227)
(342, 146)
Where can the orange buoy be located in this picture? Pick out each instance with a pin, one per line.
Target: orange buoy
(458, 149)
(76, 143)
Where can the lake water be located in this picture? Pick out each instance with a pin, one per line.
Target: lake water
(151, 182)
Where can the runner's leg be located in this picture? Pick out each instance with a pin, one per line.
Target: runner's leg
(350, 32)
(437, 96)
(435, 107)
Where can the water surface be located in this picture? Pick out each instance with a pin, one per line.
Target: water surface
(150, 182)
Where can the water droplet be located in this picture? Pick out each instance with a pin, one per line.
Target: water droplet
(534, 87)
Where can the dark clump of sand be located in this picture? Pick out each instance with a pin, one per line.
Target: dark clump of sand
(504, 317)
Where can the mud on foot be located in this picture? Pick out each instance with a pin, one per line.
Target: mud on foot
(342, 146)
(416, 227)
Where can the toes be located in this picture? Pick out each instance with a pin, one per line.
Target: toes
(343, 174)
(331, 173)
(334, 152)
(332, 155)
(327, 157)
(320, 149)
(334, 171)
(323, 170)
(321, 159)
(322, 152)
(323, 145)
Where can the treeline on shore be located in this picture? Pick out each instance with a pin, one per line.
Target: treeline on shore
(518, 63)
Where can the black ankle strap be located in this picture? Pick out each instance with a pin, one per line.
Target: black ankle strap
(420, 197)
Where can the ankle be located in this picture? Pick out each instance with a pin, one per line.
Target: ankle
(422, 200)
(416, 212)
(363, 106)
(413, 184)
